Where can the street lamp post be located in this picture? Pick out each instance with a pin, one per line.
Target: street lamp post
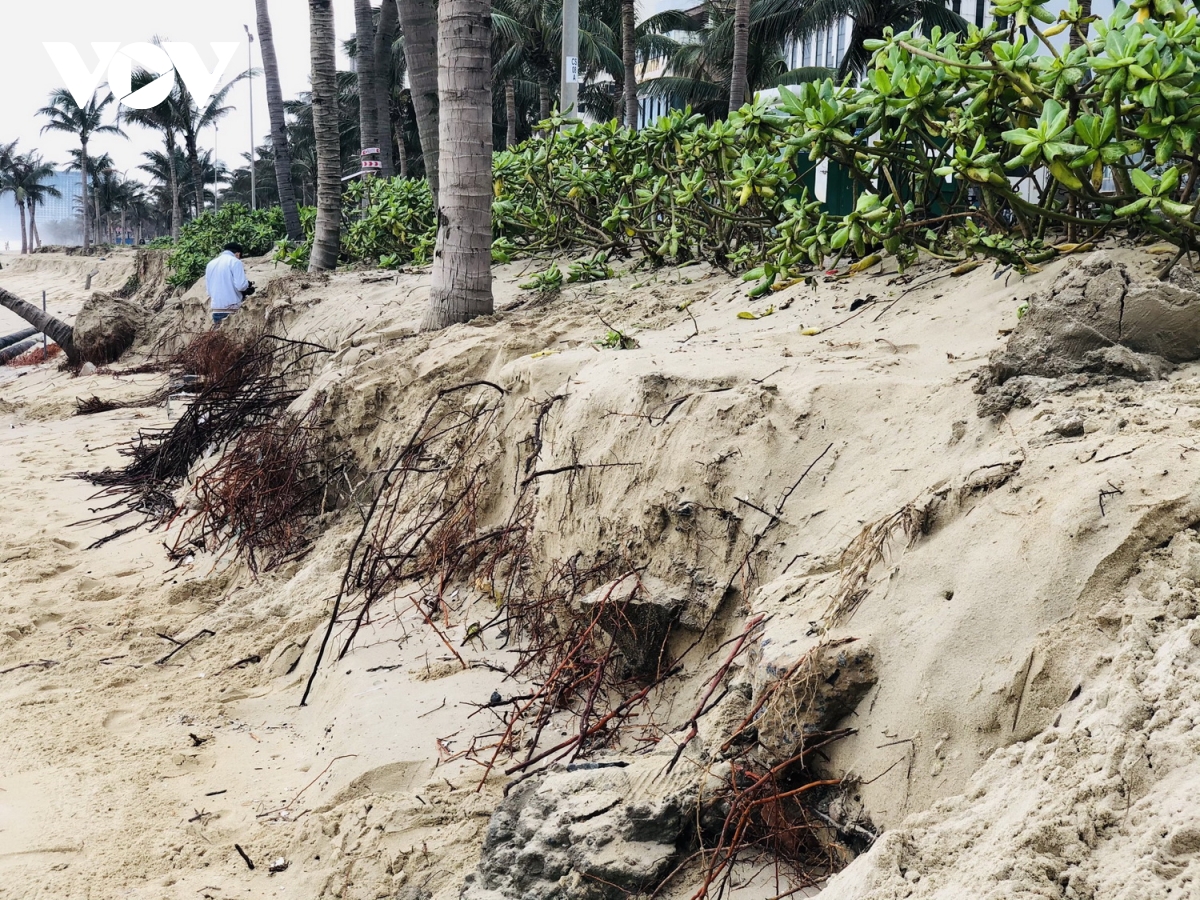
(250, 81)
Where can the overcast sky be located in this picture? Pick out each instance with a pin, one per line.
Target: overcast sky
(27, 76)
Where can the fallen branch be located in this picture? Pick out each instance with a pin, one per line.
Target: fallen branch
(180, 645)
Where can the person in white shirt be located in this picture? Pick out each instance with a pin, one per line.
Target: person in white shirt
(226, 282)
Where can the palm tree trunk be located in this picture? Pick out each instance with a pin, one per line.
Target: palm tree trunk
(84, 205)
(96, 209)
(24, 233)
(35, 239)
(510, 112)
(283, 153)
(402, 161)
(193, 153)
(323, 45)
(368, 91)
(1079, 35)
(176, 212)
(461, 286)
(58, 331)
(629, 57)
(545, 96)
(419, 22)
(385, 37)
(741, 49)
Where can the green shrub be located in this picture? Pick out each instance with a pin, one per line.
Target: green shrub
(202, 238)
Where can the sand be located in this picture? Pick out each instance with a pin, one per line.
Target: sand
(121, 777)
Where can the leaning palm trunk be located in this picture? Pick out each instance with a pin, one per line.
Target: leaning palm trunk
(283, 153)
(385, 37)
(368, 119)
(419, 22)
(461, 287)
(741, 49)
(35, 239)
(58, 331)
(510, 112)
(629, 57)
(327, 239)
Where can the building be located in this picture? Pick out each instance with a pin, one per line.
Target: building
(57, 220)
(827, 47)
(824, 48)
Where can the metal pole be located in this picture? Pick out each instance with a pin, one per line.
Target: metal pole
(45, 350)
(568, 92)
(250, 80)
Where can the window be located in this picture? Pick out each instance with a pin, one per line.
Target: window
(841, 41)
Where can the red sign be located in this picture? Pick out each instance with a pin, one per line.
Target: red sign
(372, 164)
(369, 151)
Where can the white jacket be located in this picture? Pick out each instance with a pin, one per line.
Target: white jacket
(225, 280)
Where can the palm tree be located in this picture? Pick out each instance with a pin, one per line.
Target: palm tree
(461, 286)
(58, 331)
(419, 22)
(95, 166)
(531, 31)
(629, 58)
(385, 84)
(36, 191)
(279, 138)
(84, 122)
(323, 46)
(11, 183)
(741, 48)
(25, 178)
(8, 153)
(165, 118)
(192, 121)
(8, 159)
(368, 89)
(117, 194)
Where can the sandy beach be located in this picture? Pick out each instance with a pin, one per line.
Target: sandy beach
(1034, 648)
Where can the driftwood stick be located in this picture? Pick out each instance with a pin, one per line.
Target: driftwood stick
(180, 645)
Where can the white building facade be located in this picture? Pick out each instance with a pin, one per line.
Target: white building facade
(825, 48)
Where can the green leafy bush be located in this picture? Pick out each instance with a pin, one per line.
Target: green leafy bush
(394, 227)
(202, 238)
(993, 143)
